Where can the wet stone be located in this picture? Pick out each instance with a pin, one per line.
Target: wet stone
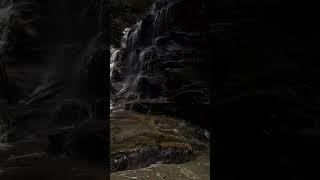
(138, 141)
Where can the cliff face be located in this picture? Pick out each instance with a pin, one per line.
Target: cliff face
(163, 64)
(50, 38)
(53, 88)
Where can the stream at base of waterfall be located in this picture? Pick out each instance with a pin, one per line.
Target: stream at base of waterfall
(148, 145)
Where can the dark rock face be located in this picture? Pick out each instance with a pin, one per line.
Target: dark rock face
(6, 124)
(165, 56)
(53, 57)
(87, 139)
(65, 59)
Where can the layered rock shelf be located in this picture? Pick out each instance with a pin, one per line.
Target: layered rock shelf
(160, 94)
(164, 58)
(147, 146)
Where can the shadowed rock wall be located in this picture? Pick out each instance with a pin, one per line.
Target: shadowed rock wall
(53, 80)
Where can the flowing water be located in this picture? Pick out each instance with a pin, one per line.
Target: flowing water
(136, 75)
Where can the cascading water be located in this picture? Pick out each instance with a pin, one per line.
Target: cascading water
(114, 54)
(138, 64)
(134, 37)
(144, 60)
(161, 20)
(157, 51)
(125, 38)
(148, 72)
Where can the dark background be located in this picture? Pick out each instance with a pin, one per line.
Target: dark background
(265, 90)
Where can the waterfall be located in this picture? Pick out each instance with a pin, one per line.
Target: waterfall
(154, 75)
(152, 56)
(114, 55)
(131, 59)
(136, 81)
(145, 57)
(134, 37)
(125, 37)
(136, 63)
(153, 8)
(161, 20)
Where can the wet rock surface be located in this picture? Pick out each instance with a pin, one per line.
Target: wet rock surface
(160, 76)
(39, 148)
(140, 140)
(199, 168)
(51, 154)
(164, 59)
